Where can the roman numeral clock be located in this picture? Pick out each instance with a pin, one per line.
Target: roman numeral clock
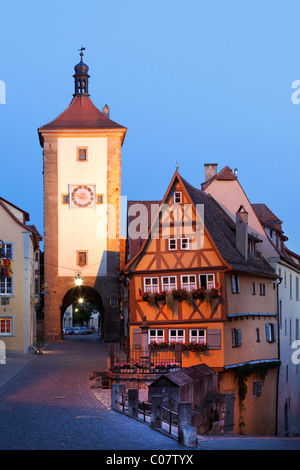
(82, 169)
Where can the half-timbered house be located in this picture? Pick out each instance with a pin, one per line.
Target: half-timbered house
(190, 275)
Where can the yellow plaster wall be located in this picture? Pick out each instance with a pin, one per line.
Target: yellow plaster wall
(11, 231)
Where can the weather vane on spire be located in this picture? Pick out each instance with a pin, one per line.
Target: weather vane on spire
(81, 53)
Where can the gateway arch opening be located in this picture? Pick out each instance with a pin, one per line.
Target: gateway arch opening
(82, 306)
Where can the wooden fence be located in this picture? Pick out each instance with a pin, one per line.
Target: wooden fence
(175, 424)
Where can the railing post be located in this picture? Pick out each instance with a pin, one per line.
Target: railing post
(144, 343)
(112, 357)
(156, 411)
(184, 414)
(133, 402)
(187, 434)
(178, 354)
(116, 392)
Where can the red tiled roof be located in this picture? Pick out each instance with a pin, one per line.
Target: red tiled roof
(226, 174)
(269, 219)
(266, 216)
(81, 114)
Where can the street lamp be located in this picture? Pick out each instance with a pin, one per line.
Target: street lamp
(78, 280)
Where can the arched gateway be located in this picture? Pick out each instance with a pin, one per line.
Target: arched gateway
(84, 294)
(82, 189)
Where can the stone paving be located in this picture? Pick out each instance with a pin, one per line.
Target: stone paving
(46, 404)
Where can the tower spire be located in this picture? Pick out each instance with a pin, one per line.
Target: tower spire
(81, 76)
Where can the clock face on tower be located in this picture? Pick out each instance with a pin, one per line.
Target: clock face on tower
(82, 196)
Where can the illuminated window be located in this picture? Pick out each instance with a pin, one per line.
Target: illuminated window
(176, 336)
(168, 283)
(156, 336)
(5, 326)
(188, 282)
(151, 284)
(198, 336)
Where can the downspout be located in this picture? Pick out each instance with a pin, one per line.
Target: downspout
(278, 346)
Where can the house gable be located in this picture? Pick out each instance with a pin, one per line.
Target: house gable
(169, 224)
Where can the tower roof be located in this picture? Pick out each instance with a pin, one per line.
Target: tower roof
(81, 113)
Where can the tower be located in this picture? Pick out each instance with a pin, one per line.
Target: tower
(82, 190)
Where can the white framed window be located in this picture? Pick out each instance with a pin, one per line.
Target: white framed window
(270, 332)
(176, 336)
(172, 242)
(188, 282)
(151, 284)
(6, 286)
(156, 336)
(297, 288)
(7, 250)
(235, 284)
(197, 336)
(184, 244)
(168, 283)
(207, 281)
(177, 197)
(6, 327)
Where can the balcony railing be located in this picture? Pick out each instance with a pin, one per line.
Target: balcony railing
(159, 361)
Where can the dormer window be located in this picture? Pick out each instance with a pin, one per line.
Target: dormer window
(252, 248)
(177, 197)
(184, 243)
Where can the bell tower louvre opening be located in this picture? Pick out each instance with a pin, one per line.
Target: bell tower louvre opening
(82, 197)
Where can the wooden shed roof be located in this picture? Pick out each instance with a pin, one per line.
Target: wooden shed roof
(186, 375)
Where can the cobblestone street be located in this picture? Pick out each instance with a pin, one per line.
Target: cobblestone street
(48, 405)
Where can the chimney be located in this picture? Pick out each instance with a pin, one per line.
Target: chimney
(105, 110)
(210, 170)
(242, 231)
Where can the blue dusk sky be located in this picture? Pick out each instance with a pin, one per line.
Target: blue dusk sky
(194, 82)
